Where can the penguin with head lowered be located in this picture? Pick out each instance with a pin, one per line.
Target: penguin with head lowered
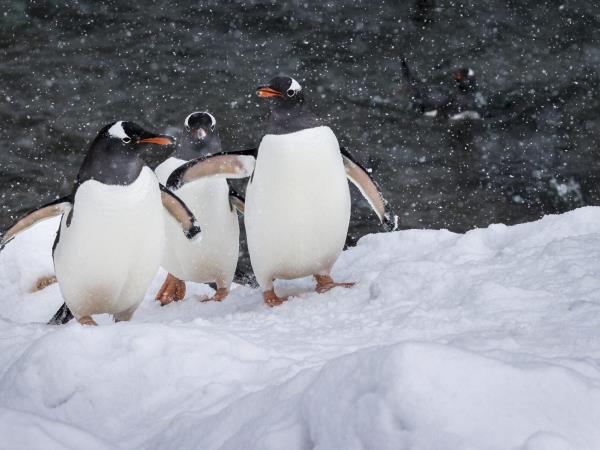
(297, 208)
(109, 242)
(213, 259)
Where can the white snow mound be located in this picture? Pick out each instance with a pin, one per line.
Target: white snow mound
(486, 340)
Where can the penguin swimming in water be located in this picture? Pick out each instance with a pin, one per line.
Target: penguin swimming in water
(109, 242)
(298, 201)
(425, 98)
(214, 203)
(463, 101)
(469, 102)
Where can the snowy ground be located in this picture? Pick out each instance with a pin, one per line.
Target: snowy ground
(488, 340)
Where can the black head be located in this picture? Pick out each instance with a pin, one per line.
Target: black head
(129, 135)
(283, 89)
(289, 112)
(200, 136)
(200, 125)
(118, 153)
(465, 79)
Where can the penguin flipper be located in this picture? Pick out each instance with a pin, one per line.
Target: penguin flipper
(236, 200)
(62, 316)
(52, 209)
(228, 165)
(360, 177)
(406, 73)
(180, 212)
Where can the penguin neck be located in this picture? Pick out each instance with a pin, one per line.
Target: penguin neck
(110, 164)
(289, 118)
(192, 148)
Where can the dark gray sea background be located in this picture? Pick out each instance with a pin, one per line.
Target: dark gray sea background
(69, 67)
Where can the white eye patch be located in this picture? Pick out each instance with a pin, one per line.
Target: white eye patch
(187, 119)
(117, 131)
(295, 86)
(213, 121)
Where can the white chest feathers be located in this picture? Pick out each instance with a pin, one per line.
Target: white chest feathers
(214, 257)
(108, 255)
(297, 205)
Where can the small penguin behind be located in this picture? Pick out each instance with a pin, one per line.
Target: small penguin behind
(462, 101)
(469, 102)
(214, 258)
(297, 207)
(109, 242)
(425, 98)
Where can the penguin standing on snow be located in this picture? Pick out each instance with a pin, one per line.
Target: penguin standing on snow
(298, 201)
(109, 242)
(214, 257)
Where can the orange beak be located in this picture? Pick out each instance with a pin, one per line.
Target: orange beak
(161, 140)
(266, 91)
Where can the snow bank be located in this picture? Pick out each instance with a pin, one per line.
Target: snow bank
(407, 396)
(487, 340)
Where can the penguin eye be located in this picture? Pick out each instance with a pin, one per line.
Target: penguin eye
(291, 92)
(126, 140)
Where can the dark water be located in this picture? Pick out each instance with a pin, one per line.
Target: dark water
(69, 67)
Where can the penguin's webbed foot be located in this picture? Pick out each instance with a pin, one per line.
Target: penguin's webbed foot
(220, 295)
(87, 320)
(271, 299)
(173, 289)
(326, 283)
(43, 282)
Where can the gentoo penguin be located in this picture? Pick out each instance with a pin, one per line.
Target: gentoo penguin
(469, 102)
(463, 101)
(424, 98)
(109, 242)
(214, 257)
(297, 201)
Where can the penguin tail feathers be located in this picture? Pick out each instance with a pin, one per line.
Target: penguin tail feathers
(62, 316)
(245, 278)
